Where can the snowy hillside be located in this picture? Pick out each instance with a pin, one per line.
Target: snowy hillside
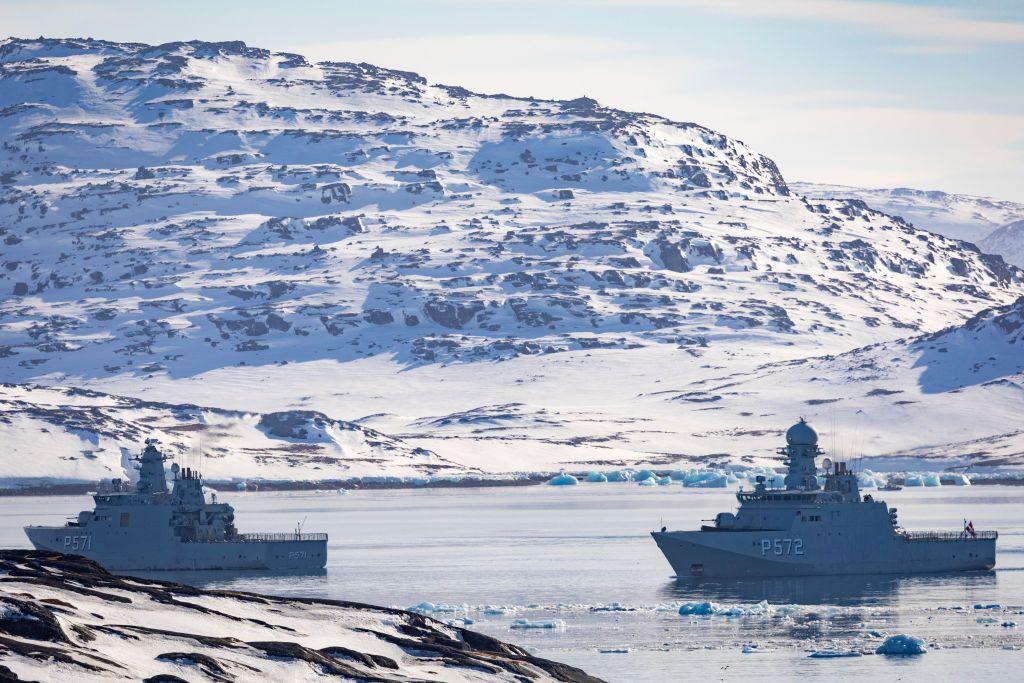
(959, 216)
(91, 436)
(1007, 241)
(65, 618)
(495, 279)
(966, 383)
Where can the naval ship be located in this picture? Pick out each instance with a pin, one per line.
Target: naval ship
(818, 526)
(147, 527)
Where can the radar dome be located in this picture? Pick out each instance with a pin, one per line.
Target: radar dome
(801, 434)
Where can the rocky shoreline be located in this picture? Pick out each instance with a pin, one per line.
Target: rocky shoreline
(64, 617)
(532, 479)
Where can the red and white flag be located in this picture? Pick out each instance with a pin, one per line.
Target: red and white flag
(969, 528)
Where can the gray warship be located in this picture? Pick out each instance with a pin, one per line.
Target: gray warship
(147, 527)
(810, 529)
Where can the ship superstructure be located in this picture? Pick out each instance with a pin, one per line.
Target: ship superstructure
(148, 527)
(818, 525)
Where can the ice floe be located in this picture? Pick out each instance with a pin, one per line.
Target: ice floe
(902, 645)
(541, 624)
(563, 479)
(714, 609)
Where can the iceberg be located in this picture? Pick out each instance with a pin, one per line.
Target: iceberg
(664, 481)
(620, 475)
(930, 479)
(699, 609)
(596, 477)
(644, 475)
(429, 609)
(901, 645)
(871, 480)
(498, 610)
(706, 479)
(713, 609)
(648, 482)
(563, 479)
(830, 654)
(553, 624)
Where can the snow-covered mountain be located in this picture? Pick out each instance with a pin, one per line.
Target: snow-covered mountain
(959, 216)
(59, 435)
(495, 279)
(1007, 241)
(966, 383)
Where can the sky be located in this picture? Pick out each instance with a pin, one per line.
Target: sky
(914, 93)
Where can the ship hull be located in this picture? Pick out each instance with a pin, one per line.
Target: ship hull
(117, 552)
(777, 553)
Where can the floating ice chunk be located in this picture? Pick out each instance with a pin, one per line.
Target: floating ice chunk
(931, 479)
(649, 482)
(829, 654)
(461, 622)
(620, 475)
(706, 479)
(552, 624)
(992, 605)
(871, 480)
(615, 650)
(664, 481)
(429, 608)
(563, 479)
(716, 610)
(902, 645)
(955, 479)
(913, 480)
(1009, 624)
(596, 477)
(498, 610)
(698, 609)
(612, 607)
(644, 475)
(752, 648)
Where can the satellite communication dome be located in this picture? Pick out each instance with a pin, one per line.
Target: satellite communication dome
(801, 434)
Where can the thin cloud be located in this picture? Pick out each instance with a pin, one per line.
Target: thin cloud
(922, 23)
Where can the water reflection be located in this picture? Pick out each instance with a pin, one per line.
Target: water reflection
(858, 590)
(255, 580)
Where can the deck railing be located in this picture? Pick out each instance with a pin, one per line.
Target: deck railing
(261, 537)
(948, 535)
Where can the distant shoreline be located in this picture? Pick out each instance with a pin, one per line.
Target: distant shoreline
(535, 479)
(293, 485)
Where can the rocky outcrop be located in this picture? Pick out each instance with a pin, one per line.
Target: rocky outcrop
(98, 625)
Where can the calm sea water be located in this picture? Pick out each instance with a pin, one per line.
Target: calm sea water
(582, 556)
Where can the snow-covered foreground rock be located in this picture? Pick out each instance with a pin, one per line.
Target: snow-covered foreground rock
(510, 283)
(65, 618)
